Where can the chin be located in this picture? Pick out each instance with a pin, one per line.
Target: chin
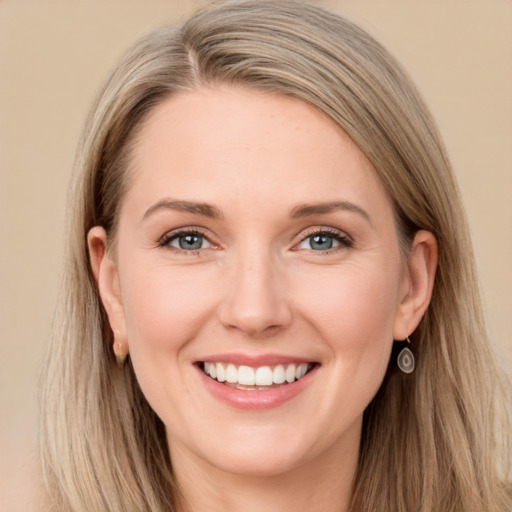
(263, 451)
(269, 463)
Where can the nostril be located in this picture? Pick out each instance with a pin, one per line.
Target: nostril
(254, 303)
(255, 319)
(255, 331)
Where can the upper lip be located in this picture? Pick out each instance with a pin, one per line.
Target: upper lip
(254, 360)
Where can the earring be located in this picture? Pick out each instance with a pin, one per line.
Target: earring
(120, 357)
(405, 359)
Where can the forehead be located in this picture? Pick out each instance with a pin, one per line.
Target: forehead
(238, 144)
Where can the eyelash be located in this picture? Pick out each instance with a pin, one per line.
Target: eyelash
(344, 241)
(174, 235)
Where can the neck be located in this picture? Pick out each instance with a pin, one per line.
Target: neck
(323, 484)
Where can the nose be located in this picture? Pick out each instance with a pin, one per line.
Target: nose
(255, 301)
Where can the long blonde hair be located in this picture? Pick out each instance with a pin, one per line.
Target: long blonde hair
(435, 440)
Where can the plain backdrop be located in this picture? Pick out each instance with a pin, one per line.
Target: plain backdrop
(54, 56)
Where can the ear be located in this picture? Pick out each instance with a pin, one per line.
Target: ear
(418, 282)
(106, 275)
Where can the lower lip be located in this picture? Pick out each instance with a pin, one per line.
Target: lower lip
(256, 400)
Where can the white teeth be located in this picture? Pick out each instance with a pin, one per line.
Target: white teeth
(290, 373)
(264, 376)
(261, 376)
(278, 375)
(246, 376)
(301, 371)
(221, 373)
(231, 374)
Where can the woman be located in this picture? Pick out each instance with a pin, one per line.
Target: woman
(262, 205)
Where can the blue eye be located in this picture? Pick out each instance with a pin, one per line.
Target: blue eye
(187, 241)
(323, 241)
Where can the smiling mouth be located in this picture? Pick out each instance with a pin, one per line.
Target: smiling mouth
(261, 378)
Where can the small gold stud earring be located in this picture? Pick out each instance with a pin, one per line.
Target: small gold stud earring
(120, 357)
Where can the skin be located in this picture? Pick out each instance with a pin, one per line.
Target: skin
(258, 286)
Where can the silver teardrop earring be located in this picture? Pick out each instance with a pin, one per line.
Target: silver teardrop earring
(405, 359)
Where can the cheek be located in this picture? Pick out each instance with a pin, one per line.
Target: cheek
(350, 312)
(353, 311)
(163, 305)
(353, 298)
(163, 309)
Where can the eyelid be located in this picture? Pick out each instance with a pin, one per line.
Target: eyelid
(316, 230)
(342, 237)
(186, 230)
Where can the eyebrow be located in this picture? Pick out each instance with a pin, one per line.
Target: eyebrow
(204, 209)
(304, 210)
(299, 211)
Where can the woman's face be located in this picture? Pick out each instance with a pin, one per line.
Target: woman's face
(255, 243)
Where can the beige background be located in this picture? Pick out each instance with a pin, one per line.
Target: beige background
(54, 55)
